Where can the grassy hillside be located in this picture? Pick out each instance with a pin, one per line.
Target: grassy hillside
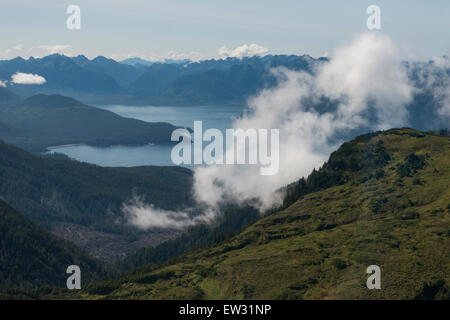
(32, 257)
(42, 121)
(388, 205)
(82, 202)
(230, 222)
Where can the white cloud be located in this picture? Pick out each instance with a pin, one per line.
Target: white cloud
(243, 51)
(193, 56)
(367, 82)
(433, 78)
(27, 78)
(172, 55)
(441, 62)
(58, 48)
(365, 79)
(443, 95)
(369, 69)
(239, 52)
(145, 216)
(3, 83)
(439, 83)
(11, 51)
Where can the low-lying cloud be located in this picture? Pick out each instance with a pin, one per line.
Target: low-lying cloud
(434, 77)
(57, 48)
(246, 50)
(27, 78)
(145, 216)
(365, 86)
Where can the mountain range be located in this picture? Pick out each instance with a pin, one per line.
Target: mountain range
(223, 82)
(138, 61)
(380, 199)
(104, 80)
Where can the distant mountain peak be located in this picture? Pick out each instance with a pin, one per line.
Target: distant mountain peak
(134, 61)
(52, 101)
(17, 59)
(81, 57)
(103, 59)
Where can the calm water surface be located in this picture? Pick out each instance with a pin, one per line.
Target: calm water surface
(128, 156)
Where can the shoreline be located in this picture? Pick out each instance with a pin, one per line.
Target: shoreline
(63, 145)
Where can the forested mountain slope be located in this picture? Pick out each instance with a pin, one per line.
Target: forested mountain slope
(82, 202)
(42, 121)
(387, 204)
(32, 257)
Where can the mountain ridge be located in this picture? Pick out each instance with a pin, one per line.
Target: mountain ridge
(40, 121)
(32, 257)
(391, 209)
(104, 80)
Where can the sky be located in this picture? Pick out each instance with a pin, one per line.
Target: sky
(203, 29)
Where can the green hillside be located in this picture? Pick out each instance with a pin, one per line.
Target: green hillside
(383, 199)
(32, 257)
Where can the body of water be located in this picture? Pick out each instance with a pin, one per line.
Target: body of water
(128, 156)
(212, 117)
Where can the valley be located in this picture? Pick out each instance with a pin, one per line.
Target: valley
(57, 192)
(80, 155)
(319, 246)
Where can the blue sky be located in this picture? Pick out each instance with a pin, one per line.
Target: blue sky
(197, 29)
